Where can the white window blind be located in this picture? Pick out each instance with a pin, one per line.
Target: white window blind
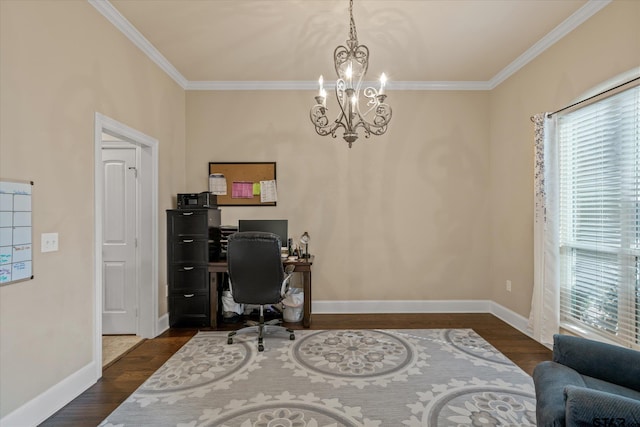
(599, 147)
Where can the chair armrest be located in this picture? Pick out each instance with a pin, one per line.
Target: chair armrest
(607, 362)
(288, 271)
(588, 407)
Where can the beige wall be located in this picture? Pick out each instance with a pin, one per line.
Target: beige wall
(423, 212)
(606, 45)
(60, 63)
(402, 216)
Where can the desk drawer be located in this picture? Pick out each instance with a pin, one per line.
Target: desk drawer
(189, 309)
(187, 279)
(188, 223)
(189, 251)
(192, 222)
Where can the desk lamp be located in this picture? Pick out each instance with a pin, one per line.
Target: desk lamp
(304, 239)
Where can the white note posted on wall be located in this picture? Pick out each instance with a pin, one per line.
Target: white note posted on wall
(268, 191)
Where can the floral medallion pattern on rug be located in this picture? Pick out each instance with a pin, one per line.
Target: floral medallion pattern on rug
(465, 344)
(206, 364)
(356, 358)
(475, 403)
(284, 410)
(372, 378)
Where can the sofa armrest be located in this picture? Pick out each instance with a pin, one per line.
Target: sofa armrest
(595, 359)
(550, 380)
(588, 407)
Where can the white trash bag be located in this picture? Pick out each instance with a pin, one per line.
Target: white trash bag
(230, 308)
(292, 305)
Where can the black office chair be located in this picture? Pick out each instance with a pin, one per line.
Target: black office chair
(257, 277)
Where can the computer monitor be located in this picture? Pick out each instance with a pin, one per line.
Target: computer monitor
(276, 226)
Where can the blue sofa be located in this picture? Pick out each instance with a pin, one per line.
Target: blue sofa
(588, 383)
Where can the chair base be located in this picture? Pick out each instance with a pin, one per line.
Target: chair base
(261, 328)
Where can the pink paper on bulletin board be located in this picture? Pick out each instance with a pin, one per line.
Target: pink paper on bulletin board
(242, 190)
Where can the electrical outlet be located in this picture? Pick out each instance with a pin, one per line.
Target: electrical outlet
(49, 242)
(508, 285)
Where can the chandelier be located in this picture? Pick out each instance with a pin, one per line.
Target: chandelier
(351, 64)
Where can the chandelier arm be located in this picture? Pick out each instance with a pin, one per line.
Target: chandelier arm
(342, 97)
(331, 130)
(340, 57)
(360, 54)
(380, 121)
(335, 127)
(321, 122)
(366, 113)
(383, 115)
(318, 116)
(372, 94)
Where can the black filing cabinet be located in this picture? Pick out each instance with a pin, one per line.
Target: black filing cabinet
(193, 239)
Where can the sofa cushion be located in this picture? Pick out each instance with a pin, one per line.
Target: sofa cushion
(597, 384)
(550, 380)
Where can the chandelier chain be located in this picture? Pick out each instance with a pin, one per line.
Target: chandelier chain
(353, 34)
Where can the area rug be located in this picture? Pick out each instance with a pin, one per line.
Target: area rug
(432, 377)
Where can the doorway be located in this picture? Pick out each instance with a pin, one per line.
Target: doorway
(111, 135)
(120, 217)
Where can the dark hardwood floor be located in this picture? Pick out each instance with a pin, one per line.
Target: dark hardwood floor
(125, 375)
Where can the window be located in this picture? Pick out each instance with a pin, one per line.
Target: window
(599, 228)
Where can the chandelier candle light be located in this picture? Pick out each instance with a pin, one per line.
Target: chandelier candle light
(351, 64)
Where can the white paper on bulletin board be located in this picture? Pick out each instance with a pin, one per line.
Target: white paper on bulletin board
(16, 231)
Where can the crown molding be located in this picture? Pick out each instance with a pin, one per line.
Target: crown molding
(565, 27)
(437, 85)
(313, 85)
(568, 25)
(121, 23)
(252, 85)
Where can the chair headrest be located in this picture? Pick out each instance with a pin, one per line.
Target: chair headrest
(255, 236)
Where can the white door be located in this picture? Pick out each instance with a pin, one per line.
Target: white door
(119, 255)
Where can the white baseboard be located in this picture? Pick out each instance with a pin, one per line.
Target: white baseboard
(42, 407)
(163, 324)
(409, 306)
(48, 403)
(512, 318)
(401, 306)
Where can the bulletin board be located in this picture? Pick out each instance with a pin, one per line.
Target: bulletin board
(16, 235)
(242, 174)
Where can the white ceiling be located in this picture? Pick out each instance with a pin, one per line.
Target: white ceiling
(472, 44)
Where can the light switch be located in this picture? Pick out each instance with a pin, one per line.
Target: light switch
(49, 242)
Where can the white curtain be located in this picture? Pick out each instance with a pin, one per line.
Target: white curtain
(544, 319)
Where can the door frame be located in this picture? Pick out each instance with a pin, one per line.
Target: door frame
(147, 233)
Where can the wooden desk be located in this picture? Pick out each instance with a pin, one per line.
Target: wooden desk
(301, 265)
